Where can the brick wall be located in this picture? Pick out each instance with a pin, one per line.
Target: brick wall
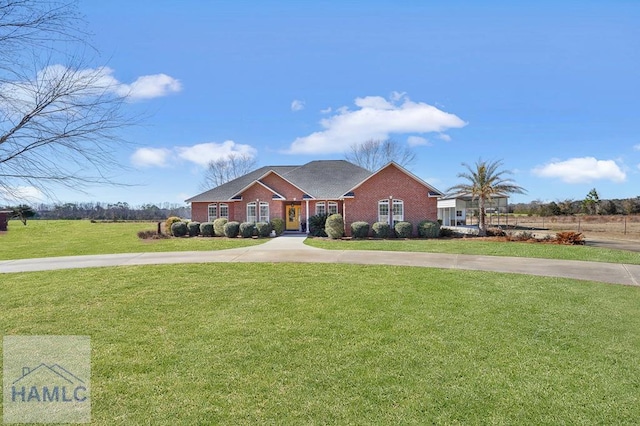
(390, 182)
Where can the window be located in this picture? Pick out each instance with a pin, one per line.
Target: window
(251, 212)
(398, 211)
(333, 207)
(320, 208)
(212, 212)
(383, 211)
(264, 212)
(224, 211)
(458, 213)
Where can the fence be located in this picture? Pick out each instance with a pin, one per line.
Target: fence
(620, 226)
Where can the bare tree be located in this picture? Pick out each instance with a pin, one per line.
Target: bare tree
(228, 168)
(375, 153)
(58, 116)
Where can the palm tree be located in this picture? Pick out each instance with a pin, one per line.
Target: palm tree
(483, 182)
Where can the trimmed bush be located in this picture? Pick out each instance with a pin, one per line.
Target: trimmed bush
(263, 229)
(359, 229)
(179, 229)
(570, 237)
(277, 224)
(218, 226)
(317, 225)
(334, 227)
(231, 229)
(247, 229)
(428, 229)
(381, 230)
(403, 229)
(194, 229)
(206, 229)
(170, 221)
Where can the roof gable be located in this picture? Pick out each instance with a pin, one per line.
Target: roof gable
(431, 191)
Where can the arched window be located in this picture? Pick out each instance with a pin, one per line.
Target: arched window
(383, 211)
(212, 212)
(398, 211)
(332, 207)
(264, 211)
(320, 208)
(224, 211)
(251, 212)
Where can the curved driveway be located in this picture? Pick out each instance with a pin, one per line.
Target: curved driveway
(291, 248)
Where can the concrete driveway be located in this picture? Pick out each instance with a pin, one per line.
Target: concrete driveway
(291, 248)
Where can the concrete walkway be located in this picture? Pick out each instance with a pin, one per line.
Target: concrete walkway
(291, 248)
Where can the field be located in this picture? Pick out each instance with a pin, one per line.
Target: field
(340, 344)
(615, 227)
(48, 238)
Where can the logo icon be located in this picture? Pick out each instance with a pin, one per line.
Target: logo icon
(46, 379)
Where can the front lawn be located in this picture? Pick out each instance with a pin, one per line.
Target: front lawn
(480, 246)
(48, 238)
(340, 344)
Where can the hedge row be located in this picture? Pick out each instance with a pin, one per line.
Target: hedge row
(222, 228)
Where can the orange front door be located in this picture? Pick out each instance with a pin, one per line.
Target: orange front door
(293, 218)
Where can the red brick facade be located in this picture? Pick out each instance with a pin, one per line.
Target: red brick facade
(390, 183)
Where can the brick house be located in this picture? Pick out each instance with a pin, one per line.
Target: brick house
(295, 193)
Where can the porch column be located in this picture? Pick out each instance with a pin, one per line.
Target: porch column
(307, 214)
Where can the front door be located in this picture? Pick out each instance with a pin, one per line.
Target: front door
(293, 218)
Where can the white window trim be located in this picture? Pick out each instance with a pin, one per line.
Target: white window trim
(225, 206)
(332, 207)
(211, 218)
(324, 208)
(397, 217)
(261, 217)
(254, 217)
(381, 217)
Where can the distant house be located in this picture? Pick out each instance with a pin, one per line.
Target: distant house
(295, 193)
(454, 209)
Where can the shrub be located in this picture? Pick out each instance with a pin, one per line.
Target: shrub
(359, 229)
(194, 229)
(247, 229)
(446, 232)
(170, 221)
(334, 226)
(570, 237)
(263, 229)
(231, 229)
(429, 229)
(520, 236)
(179, 229)
(277, 224)
(317, 224)
(403, 229)
(206, 229)
(150, 235)
(218, 226)
(381, 230)
(496, 232)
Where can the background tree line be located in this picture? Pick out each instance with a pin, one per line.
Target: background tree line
(569, 207)
(107, 211)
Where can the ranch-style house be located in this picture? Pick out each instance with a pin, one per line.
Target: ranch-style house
(295, 193)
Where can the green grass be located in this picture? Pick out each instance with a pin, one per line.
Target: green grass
(340, 344)
(48, 238)
(477, 246)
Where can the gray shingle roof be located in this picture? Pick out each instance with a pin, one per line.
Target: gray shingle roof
(322, 179)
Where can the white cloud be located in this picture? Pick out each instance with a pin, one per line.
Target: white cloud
(582, 170)
(201, 154)
(297, 105)
(21, 194)
(636, 147)
(375, 118)
(150, 157)
(326, 110)
(151, 86)
(444, 137)
(22, 96)
(418, 141)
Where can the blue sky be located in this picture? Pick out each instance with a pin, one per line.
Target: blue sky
(551, 88)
